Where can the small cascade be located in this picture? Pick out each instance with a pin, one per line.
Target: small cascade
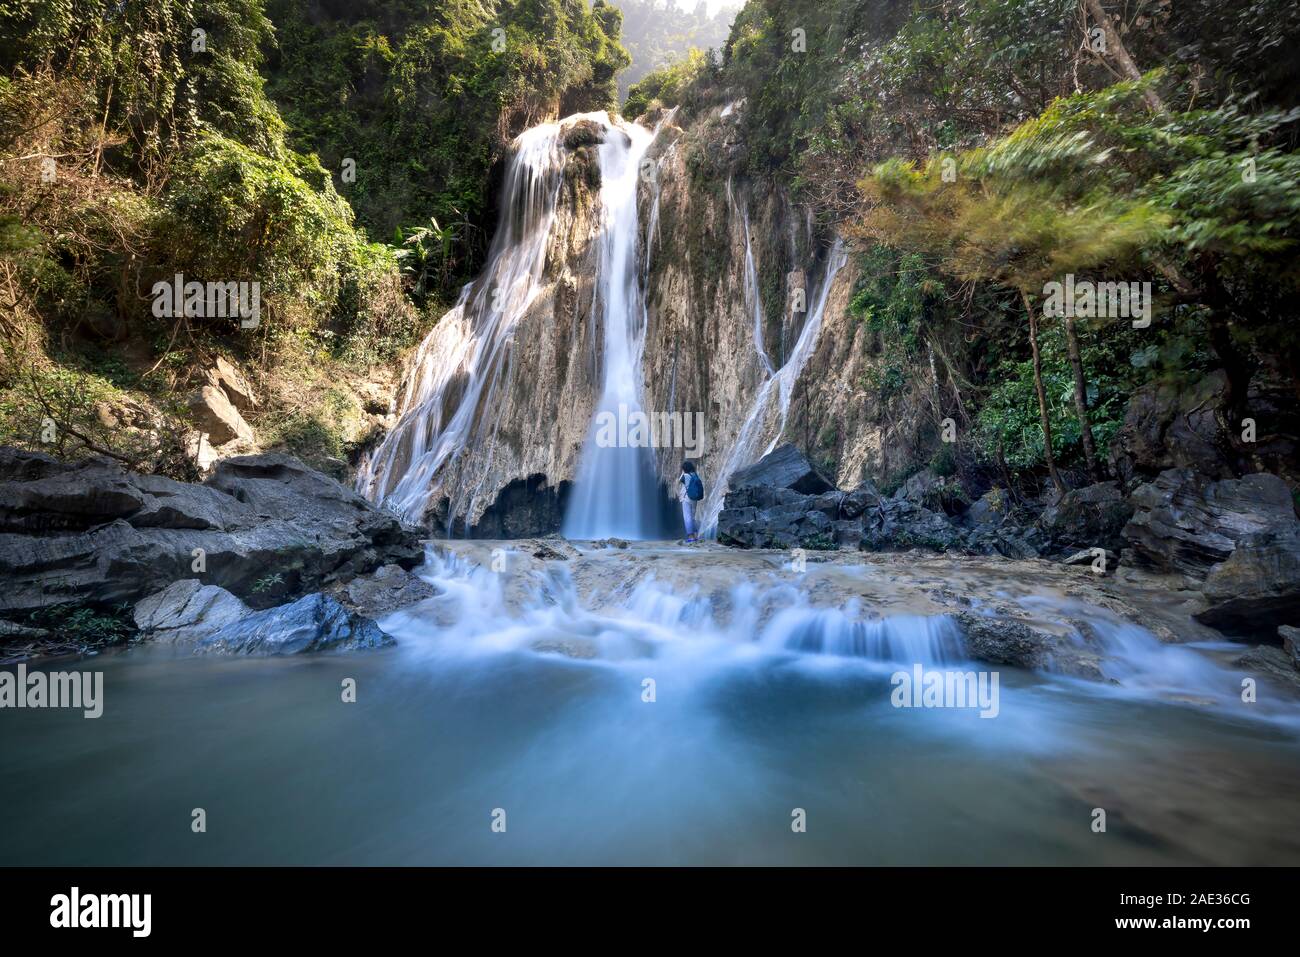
(753, 295)
(473, 614)
(901, 639)
(479, 611)
(771, 405)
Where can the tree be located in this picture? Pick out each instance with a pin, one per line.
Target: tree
(1013, 214)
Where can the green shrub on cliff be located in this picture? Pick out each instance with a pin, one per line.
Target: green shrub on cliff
(423, 98)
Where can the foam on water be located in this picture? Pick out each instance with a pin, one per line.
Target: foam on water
(477, 613)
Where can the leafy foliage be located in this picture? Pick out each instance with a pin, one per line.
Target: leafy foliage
(671, 85)
(659, 33)
(424, 98)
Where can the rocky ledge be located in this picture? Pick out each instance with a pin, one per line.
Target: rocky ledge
(1234, 542)
(197, 561)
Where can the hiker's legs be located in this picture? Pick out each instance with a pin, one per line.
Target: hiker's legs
(688, 517)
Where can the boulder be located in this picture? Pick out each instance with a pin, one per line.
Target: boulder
(549, 553)
(1090, 517)
(1269, 661)
(863, 497)
(764, 497)
(828, 503)
(231, 381)
(1291, 643)
(1005, 641)
(187, 611)
(214, 415)
(1007, 539)
(1088, 557)
(919, 487)
(312, 623)
(40, 495)
(783, 468)
(93, 533)
(898, 523)
(1170, 426)
(793, 524)
(991, 508)
(384, 591)
(1185, 522)
(583, 133)
(1257, 589)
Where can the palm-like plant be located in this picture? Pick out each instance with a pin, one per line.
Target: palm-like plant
(426, 255)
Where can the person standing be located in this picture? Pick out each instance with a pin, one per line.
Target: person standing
(690, 490)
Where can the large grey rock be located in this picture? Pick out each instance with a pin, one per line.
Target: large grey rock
(1257, 589)
(783, 468)
(1005, 641)
(93, 533)
(1167, 425)
(991, 508)
(1290, 636)
(214, 415)
(919, 487)
(863, 497)
(385, 590)
(187, 611)
(231, 381)
(1185, 522)
(1268, 661)
(794, 524)
(898, 523)
(312, 623)
(1090, 517)
(935, 492)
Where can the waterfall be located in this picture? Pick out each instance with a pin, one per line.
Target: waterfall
(616, 489)
(457, 367)
(771, 405)
(449, 399)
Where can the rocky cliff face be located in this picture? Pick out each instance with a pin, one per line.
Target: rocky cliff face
(745, 328)
(507, 379)
(733, 276)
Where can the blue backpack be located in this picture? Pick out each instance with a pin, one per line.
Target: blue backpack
(694, 487)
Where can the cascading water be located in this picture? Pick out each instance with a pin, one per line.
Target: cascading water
(458, 365)
(449, 401)
(771, 405)
(616, 490)
(752, 291)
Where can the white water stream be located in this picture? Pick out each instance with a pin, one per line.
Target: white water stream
(616, 492)
(770, 408)
(456, 371)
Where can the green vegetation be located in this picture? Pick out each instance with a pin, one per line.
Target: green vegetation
(76, 629)
(669, 85)
(978, 151)
(424, 98)
(658, 33)
(142, 141)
